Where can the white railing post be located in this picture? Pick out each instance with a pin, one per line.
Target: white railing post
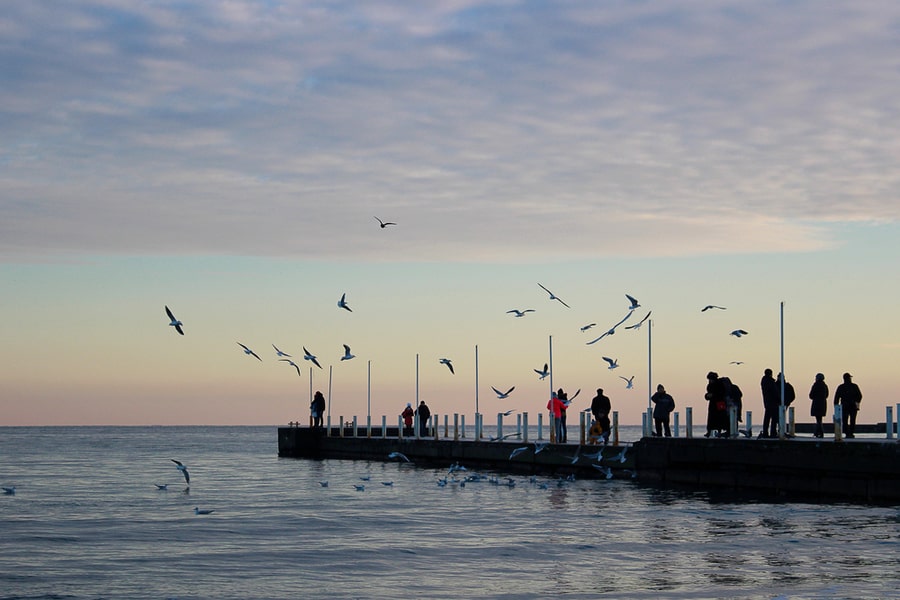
(689, 422)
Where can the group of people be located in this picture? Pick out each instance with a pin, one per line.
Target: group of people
(422, 411)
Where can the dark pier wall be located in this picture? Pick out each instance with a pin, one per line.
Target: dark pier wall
(857, 470)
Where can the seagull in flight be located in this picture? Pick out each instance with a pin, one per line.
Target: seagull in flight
(736, 362)
(575, 395)
(446, 361)
(310, 357)
(543, 373)
(502, 395)
(342, 303)
(710, 307)
(384, 223)
(248, 351)
(738, 333)
(629, 382)
(293, 364)
(634, 303)
(554, 297)
(588, 326)
(517, 452)
(183, 469)
(613, 364)
(611, 330)
(639, 323)
(605, 470)
(520, 313)
(174, 322)
(509, 412)
(399, 455)
(279, 352)
(347, 355)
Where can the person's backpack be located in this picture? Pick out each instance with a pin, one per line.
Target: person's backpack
(788, 394)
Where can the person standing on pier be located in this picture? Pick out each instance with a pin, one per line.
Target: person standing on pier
(716, 412)
(318, 409)
(818, 393)
(408, 414)
(849, 397)
(563, 407)
(601, 407)
(664, 405)
(424, 413)
(771, 401)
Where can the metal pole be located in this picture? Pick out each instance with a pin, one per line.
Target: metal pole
(781, 416)
(551, 366)
(369, 392)
(649, 362)
(476, 379)
(330, 369)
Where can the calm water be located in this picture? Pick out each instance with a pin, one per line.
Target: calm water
(87, 521)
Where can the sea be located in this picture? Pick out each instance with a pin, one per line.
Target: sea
(87, 521)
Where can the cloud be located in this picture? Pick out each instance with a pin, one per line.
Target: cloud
(490, 130)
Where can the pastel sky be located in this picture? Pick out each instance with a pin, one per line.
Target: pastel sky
(228, 159)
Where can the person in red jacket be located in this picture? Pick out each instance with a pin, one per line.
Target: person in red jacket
(408, 414)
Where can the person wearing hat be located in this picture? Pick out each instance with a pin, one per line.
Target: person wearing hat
(818, 393)
(408, 414)
(849, 397)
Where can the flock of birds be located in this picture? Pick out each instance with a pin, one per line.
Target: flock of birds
(612, 363)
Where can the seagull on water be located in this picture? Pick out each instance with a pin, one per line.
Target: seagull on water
(629, 382)
(710, 307)
(399, 455)
(517, 452)
(203, 511)
(183, 469)
(384, 223)
(520, 313)
(634, 303)
(446, 361)
(588, 326)
(738, 332)
(611, 330)
(613, 364)
(342, 303)
(248, 351)
(310, 357)
(639, 323)
(502, 395)
(323, 483)
(279, 353)
(162, 487)
(174, 322)
(293, 364)
(9, 491)
(543, 373)
(347, 355)
(360, 488)
(554, 297)
(387, 483)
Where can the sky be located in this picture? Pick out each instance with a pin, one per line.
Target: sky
(229, 159)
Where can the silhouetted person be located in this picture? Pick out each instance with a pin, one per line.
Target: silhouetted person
(423, 413)
(601, 407)
(664, 405)
(771, 396)
(818, 393)
(408, 414)
(555, 406)
(564, 406)
(849, 397)
(318, 409)
(716, 413)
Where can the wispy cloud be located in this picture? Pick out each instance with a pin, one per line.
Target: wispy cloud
(490, 130)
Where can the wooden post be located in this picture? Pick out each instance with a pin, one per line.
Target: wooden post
(749, 419)
(435, 425)
(615, 427)
(446, 426)
(369, 426)
(455, 427)
(688, 422)
(462, 425)
(889, 422)
(355, 430)
(552, 429)
(792, 426)
(525, 427)
(540, 426)
(838, 423)
(582, 429)
(519, 426)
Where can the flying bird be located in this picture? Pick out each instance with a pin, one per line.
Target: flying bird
(384, 223)
(629, 382)
(613, 364)
(342, 303)
(293, 364)
(174, 322)
(639, 323)
(509, 412)
(738, 332)
(543, 373)
(575, 395)
(183, 469)
(736, 362)
(588, 326)
(347, 355)
(517, 452)
(399, 455)
(248, 351)
(502, 395)
(520, 313)
(605, 470)
(279, 352)
(611, 330)
(711, 306)
(554, 297)
(310, 357)
(634, 303)
(446, 361)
